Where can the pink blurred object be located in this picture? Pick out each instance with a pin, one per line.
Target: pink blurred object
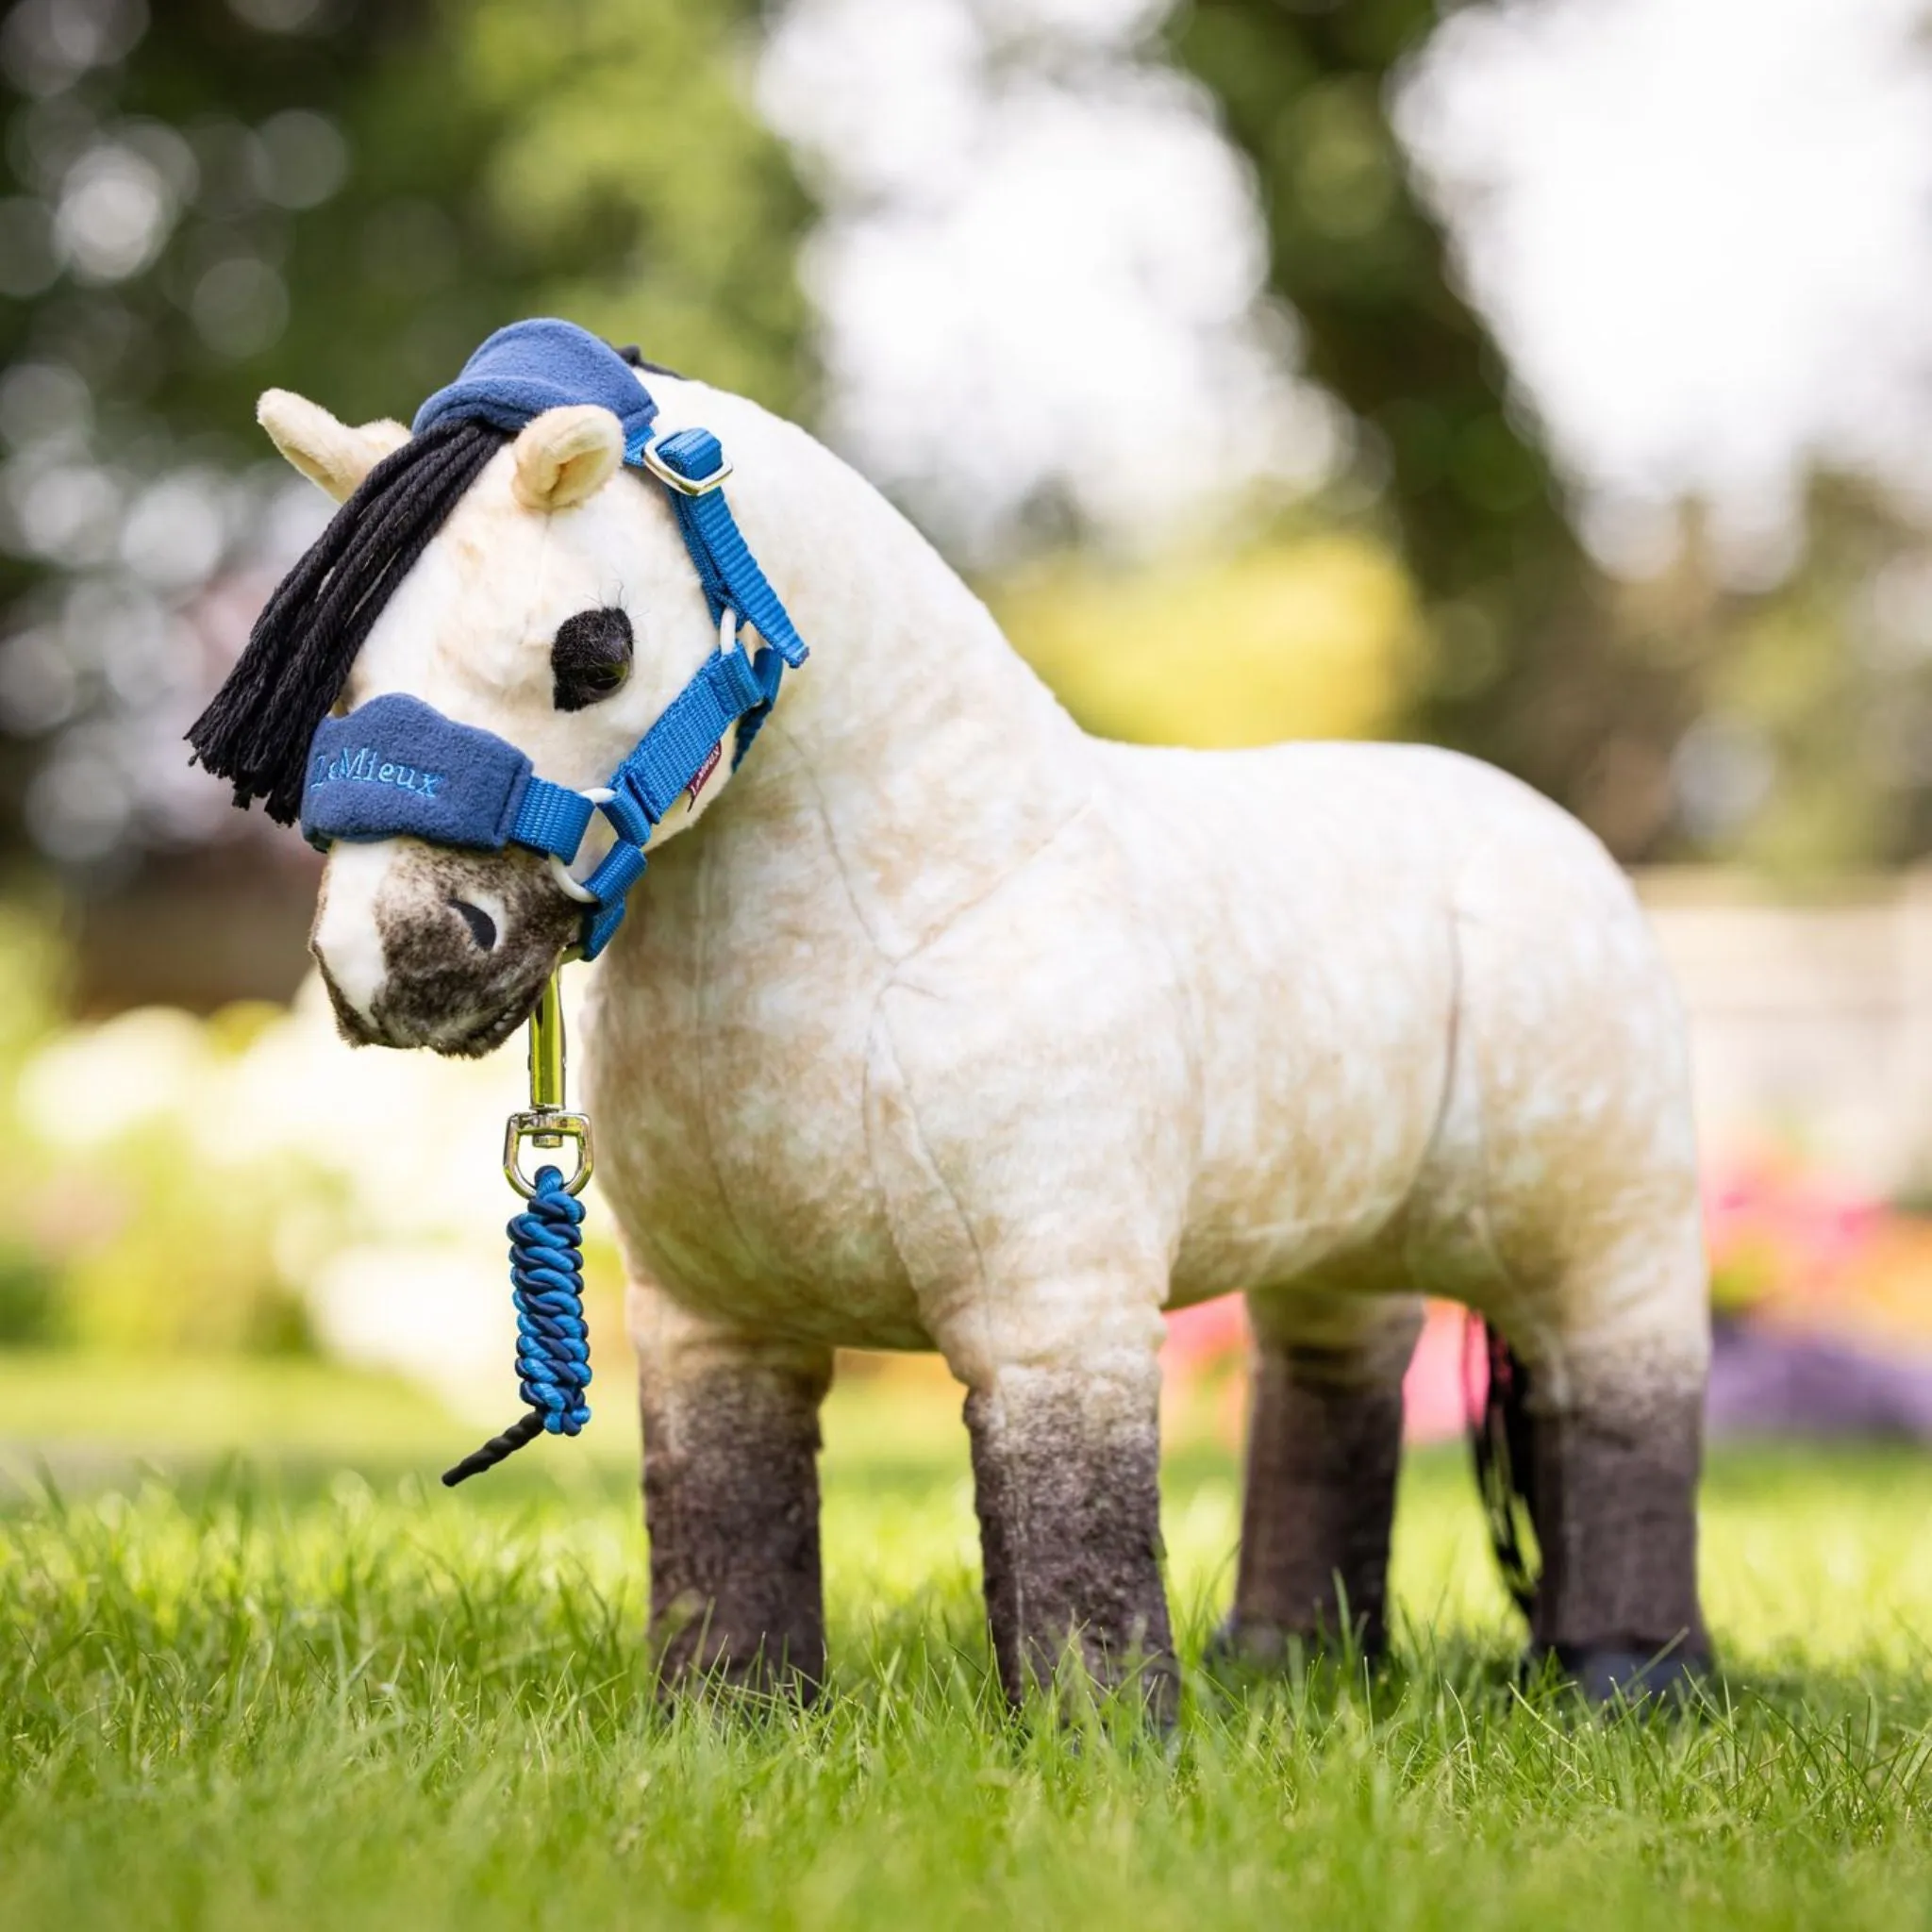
(1779, 1234)
(1438, 1394)
(1210, 1335)
(1212, 1338)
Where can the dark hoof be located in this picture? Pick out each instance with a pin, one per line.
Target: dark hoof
(1155, 1690)
(744, 1680)
(1610, 1676)
(1254, 1646)
(1138, 1688)
(1247, 1646)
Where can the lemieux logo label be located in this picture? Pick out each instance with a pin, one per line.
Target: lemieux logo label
(362, 767)
(705, 771)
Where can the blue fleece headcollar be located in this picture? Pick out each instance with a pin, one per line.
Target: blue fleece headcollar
(397, 767)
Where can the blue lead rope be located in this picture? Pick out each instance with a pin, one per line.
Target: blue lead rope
(547, 1273)
(396, 767)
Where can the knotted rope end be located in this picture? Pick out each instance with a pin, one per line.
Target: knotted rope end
(547, 1273)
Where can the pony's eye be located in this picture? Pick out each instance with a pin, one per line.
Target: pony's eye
(591, 658)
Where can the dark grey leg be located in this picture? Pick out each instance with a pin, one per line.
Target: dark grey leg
(1066, 1470)
(1615, 1490)
(1324, 1446)
(1323, 1455)
(731, 1501)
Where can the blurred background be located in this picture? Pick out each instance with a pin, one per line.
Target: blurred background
(1549, 378)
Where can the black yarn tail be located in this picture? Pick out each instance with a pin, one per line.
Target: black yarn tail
(527, 1428)
(1500, 1446)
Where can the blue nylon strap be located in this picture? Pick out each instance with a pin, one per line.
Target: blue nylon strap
(551, 818)
(617, 872)
(728, 572)
(725, 567)
(771, 668)
(674, 750)
(727, 687)
(398, 767)
(623, 867)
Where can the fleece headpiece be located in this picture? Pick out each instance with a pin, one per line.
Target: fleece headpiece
(532, 366)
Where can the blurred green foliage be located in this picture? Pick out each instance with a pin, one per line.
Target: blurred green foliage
(132, 1241)
(158, 1253)
(1829, 681)
(213, 1186)
(30, 1305)
(412, 174)
(1308, 635)
(342, 197)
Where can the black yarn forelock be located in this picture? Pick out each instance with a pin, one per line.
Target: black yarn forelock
(256, 727)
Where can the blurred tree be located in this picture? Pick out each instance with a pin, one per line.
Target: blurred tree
(1809, 753)
(1529, 665)
(340, 197)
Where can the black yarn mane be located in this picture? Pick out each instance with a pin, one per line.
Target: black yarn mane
(256, 727)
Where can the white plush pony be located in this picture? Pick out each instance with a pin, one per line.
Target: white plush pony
(946, 1025)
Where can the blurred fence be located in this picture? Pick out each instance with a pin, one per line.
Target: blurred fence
(1810, 1020)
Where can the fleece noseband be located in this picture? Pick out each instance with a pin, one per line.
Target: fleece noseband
(398, 767)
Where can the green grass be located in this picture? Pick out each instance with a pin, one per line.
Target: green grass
(251, 1696)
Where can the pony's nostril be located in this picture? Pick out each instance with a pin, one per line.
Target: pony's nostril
(482, 927)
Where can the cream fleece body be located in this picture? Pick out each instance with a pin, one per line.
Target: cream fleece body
(954, 1027)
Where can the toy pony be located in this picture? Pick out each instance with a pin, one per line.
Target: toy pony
(939, 1025)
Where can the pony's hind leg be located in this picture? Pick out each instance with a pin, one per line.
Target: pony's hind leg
(1615, 1371)
(731, 1500)
(1561, 1201)
(1324, 1448)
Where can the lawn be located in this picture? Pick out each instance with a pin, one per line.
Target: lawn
(316, 1690)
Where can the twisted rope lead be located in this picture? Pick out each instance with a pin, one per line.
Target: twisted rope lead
(547, 1273)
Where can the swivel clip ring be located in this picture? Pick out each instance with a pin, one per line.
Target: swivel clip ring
(546, 1126)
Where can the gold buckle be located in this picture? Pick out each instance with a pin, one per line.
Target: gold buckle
(673, 479)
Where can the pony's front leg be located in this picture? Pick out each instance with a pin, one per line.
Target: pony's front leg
(731, 1499)
(1066, 1458)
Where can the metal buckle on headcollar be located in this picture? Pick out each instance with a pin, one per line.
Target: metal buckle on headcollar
(676, 479)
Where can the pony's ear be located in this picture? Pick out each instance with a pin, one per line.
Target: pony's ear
(564, 456)
(326, 451)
